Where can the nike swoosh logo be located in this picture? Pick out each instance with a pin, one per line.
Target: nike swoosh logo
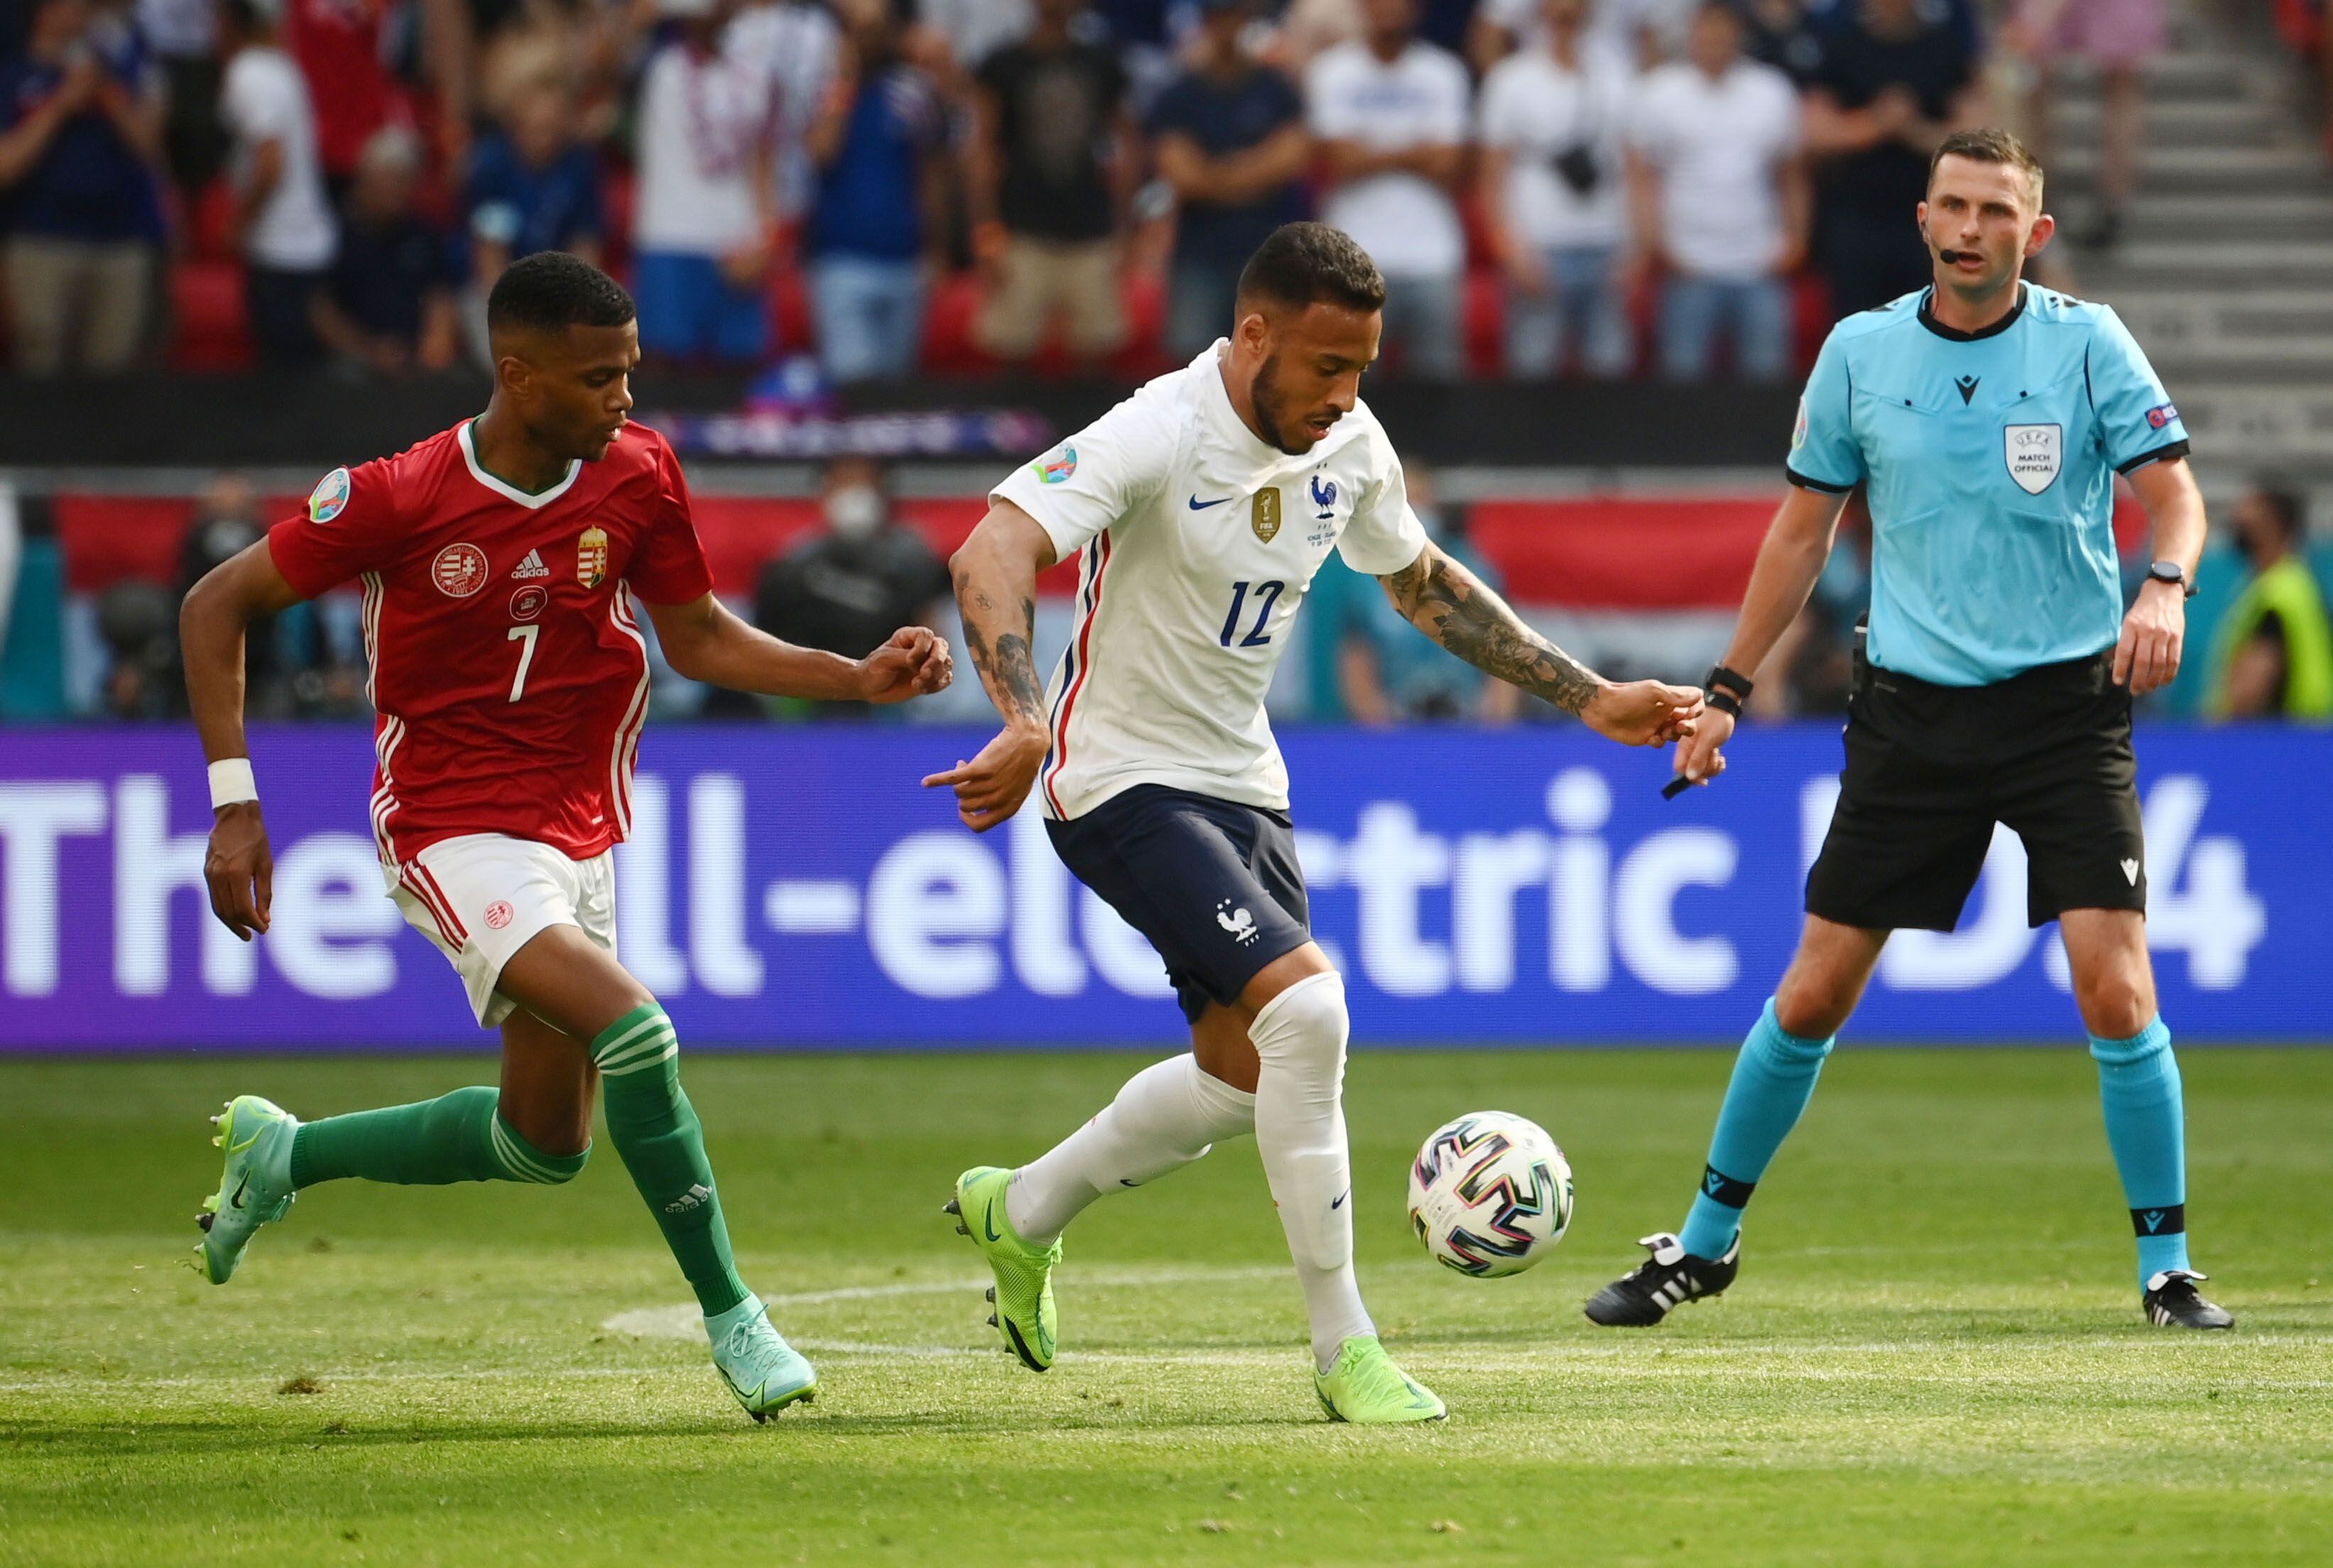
(1341, 1200)
(988, 1220)
(1199, 505)
(236, 1201)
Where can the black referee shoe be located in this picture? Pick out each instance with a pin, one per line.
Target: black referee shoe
(1671, 1276)
(2173, 1302)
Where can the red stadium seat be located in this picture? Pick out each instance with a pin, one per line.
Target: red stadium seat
(210, 332)
(1686, 552)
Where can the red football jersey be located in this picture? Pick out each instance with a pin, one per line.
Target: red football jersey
(506, 665)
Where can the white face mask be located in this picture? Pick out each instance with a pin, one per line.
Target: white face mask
(855, 512)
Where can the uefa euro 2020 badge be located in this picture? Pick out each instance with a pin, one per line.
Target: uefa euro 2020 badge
(592, 556)
(330, 497)
(1056, 470)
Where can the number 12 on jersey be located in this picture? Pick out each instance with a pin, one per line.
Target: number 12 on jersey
(1267, 594)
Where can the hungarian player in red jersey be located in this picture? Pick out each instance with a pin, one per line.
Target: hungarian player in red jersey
(499, 562)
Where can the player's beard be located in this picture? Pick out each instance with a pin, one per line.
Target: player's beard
(1264, 392)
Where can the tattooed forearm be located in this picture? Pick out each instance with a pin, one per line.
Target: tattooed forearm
(1000, 649)
(1451, 605)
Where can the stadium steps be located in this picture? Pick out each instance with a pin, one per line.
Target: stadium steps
(2226, 272)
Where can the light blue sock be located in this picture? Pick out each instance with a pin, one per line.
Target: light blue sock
(2138, 1088)
(1773, 1079)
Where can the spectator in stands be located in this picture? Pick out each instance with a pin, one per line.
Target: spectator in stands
(1378, 672)
(1050, 169)
(862, 578)
(1721, 201)
(2121, 37)
(795, 48)
(1631, 35)
(81, 133)
(2273, 655)
(1391, 113)
(881, 197)
(1553, 185)
(225, 524)
(964, 33)
(1229, 138)
(533, 186)
(184, 34)
(1893, 84)
(344, 49)
(390, 306)
(703, 220)
(283, 221)
(1786, 34)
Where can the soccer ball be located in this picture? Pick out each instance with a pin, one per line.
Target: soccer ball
(1490, 1194)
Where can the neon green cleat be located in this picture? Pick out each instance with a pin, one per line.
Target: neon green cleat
(763, 1371)
(1363, 1385)
(1023, 1291)
(254, 1189)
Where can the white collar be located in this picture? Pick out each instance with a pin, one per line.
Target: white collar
(506, 490)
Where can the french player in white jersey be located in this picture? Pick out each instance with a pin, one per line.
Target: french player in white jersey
(1199, 509)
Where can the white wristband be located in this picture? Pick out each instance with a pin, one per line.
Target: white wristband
(231, 782)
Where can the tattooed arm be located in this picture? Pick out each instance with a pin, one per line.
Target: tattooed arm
(1450, 604)
(995, 576)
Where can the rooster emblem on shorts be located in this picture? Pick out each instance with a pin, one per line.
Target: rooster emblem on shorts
(1238, 922)
(1324, 496)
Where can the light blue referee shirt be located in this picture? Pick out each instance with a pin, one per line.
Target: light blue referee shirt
(1990, 460)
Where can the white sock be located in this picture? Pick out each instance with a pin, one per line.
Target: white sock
(1167, 1115)
(1299, 1132)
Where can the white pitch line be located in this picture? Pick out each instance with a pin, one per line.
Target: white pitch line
(684, 1322)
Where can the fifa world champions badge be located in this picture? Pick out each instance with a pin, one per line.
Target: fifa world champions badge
(1264, 517)
(591, 557)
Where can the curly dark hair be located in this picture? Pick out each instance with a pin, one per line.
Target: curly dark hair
(1303, 264)
(551, 290)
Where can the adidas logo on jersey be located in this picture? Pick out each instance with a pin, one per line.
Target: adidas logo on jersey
(532, 566)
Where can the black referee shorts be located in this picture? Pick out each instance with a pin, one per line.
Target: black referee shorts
(1930, 769)
(1214, 885)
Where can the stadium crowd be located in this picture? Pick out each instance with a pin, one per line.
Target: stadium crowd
(1598, 186)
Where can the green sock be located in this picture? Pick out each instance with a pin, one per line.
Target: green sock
(655, 1132)
(456, 1137)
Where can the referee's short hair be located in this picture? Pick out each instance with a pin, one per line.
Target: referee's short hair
(551, 290)
(1306, 264)
(1990, 145)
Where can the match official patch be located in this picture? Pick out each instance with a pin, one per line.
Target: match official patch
(330, 497)
(2034, 454)
(2160, 416)
(1799, 430)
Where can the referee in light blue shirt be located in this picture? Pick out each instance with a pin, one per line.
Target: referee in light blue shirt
(1985, 419)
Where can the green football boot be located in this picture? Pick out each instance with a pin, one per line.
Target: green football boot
(763, 1371)
(1363, 1385)
(1023, 1291)
(255, 1188)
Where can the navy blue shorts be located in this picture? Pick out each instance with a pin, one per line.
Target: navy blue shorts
(1215, 886)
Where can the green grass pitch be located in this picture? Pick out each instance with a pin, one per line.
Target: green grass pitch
(1933, 1355)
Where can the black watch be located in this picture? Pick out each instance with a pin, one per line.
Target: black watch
(2174, 574)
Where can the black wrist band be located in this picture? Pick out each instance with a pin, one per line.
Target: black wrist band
(1723, 679)
(1723, 700)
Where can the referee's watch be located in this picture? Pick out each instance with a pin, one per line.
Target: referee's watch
(2174, 574)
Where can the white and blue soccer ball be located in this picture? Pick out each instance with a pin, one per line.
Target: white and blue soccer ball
(1490, 1194)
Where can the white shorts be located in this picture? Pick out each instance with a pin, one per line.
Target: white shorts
(480, 898)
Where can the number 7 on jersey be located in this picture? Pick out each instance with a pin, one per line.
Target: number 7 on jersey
(524, 636)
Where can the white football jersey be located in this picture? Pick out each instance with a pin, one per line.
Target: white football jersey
(1195, 543)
